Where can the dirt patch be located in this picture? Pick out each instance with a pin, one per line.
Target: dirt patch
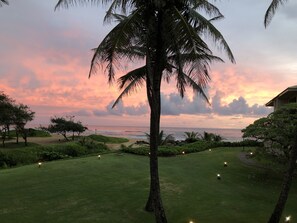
(113, 146)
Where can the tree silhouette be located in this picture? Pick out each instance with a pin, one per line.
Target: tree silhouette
(167, 35)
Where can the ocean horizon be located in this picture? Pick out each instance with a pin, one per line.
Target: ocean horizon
(139, 132)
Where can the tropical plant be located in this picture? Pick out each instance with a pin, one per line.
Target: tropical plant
(12, 114)
(167, 34)
(66, 125)
(163, 139)
(22, 115)
(271, 10)
(192, 136)
(208, 136)
(279, 129)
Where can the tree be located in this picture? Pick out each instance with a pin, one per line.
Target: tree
(211, 137)
(163, 139)
(6, 115)
(12, 114)
(63, 126)
(271, 10)
(22, 115)
(192, 136)
(279, 128)
(167, 34)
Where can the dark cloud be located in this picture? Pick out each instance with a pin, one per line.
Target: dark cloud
(174, 105)
(237, 107)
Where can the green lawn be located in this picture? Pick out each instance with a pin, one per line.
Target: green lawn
(115, 188)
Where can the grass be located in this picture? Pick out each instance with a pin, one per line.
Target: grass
(115, 188)
(107, 139)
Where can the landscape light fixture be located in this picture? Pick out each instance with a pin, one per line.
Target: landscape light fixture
(225, 164)
(191, 222)
(99, 157)
(251, 153)
(288, 218)
(209, 150)
(39, 164)
(183, 152)
(218, 176)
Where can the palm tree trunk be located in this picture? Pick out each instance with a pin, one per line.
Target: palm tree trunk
(154, 202)
(287, 182)
(154, 64)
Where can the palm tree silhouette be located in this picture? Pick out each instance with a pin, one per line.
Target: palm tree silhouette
(167, 35)
(271, 11)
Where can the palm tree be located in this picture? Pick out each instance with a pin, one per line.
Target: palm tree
(163, 139)
(3, 2)
(271, 10)
(192, 136)
(167, 35)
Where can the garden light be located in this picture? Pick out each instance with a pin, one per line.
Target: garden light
(288, 218)
(251, 153)
(191, 222)
(183, 152)
(99, 157)
(209, 150)
(225, 164)
(39, 164)
(218, 176)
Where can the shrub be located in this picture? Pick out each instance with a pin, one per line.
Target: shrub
(197, 146)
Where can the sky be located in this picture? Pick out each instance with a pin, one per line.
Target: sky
(45, 58)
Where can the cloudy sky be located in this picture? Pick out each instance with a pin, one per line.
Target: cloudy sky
(45, 57)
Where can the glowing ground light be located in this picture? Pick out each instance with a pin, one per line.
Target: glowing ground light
(218, 176)
(209, 150)
(191, 222)
(288, 218)
(99, 157)
(225, 164)
(39, 164)
(183, 152)
(251, 153)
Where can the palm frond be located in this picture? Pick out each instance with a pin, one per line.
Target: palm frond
(187, 38)
(271, 11)
(117, 44)
(205, 25)
(67, 3)
(116, 4)
(3, 2)
(131, 82)
(207, 7)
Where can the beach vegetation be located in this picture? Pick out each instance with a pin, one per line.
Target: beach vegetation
(66, 125)
(32, 132)
(13, 115)
(278, 133)
(192, 136)
(163, 139)
(17, 155)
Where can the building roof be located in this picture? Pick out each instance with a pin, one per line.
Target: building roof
(286, 94)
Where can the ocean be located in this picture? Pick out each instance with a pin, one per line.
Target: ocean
(136, 132)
